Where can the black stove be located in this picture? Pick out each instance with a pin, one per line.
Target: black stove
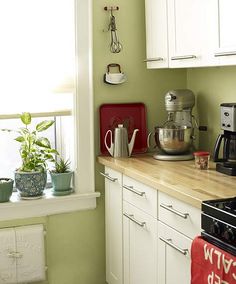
(219, 223)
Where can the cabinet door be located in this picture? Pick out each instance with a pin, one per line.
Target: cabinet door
(173, 256)
(113, 218)
(140, 246)
(190, 31)
(156, 33)
(226, 42)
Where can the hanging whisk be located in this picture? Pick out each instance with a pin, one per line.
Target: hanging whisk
(115, 46)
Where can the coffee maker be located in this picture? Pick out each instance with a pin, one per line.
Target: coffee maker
(227, 141)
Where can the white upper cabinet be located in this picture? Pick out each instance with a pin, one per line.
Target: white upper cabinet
(156, 34)
(190, 33)
(225, 50)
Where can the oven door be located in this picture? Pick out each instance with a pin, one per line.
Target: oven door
(219, 243)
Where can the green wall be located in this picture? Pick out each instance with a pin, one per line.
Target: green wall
(148, 86)
(74, 245)
(212, 87)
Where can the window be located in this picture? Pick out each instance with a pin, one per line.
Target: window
(37, 55)
(37, 70)
(64, 86)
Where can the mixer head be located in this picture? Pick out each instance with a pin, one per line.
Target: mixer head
(178, 100)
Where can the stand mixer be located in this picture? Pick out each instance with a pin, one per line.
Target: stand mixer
(174, 138)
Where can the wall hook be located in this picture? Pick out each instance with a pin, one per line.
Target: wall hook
(111, 8)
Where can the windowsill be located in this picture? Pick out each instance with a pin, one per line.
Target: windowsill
(18, 208)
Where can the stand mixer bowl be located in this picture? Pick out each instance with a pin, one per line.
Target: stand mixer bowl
(174, 140)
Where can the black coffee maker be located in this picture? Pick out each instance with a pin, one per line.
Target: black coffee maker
(227, 164)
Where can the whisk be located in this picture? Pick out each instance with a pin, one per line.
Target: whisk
(115, 46)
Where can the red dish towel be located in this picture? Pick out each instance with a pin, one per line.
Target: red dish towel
(210, 264)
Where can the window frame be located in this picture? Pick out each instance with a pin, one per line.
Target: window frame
(84, 196)
(84, 104)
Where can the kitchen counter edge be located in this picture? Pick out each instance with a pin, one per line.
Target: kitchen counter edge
(178, 179)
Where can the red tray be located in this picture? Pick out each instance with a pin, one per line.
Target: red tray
(132, 116)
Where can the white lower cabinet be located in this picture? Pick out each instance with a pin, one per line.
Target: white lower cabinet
(113, 219)
(148, 233)
(173, 256)
(139, 246)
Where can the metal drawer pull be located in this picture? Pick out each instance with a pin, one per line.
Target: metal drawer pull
(229, 53)
(130, 188)
(169, 243)
(108, 177)
(171, 209)
(154, 59)
(183, 57)
(131, 217)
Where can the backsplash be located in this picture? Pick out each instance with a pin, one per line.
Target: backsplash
(212, 86)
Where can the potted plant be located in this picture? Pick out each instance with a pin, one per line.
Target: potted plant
(6, 187)
(35, 152)
(61, 177)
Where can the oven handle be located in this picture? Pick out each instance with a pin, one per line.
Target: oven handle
(219, 243)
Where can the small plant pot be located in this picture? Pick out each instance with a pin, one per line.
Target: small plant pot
(6, 187)
(30, 185)
(61, 182)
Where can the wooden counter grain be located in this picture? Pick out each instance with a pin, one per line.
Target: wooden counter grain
(179, 179)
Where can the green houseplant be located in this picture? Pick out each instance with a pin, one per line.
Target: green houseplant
(35, 152)
(61, 177)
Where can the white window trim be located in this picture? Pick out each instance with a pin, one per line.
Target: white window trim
(84, 196)
(84, 177)
(48, 205)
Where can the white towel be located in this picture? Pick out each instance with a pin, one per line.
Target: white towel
(30, 246)
(7, 261)
(22, 253)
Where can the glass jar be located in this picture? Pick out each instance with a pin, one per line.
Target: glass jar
(202, 160)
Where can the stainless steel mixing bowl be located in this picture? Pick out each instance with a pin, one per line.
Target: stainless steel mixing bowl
(174, 141)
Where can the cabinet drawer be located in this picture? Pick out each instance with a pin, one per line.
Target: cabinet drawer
(179, 215)
(140, 195)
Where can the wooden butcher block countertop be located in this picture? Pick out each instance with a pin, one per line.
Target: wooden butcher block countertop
(179, 179)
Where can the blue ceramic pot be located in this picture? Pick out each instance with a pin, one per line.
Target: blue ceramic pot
(61, 181)
(30, 184)
(6, 187)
